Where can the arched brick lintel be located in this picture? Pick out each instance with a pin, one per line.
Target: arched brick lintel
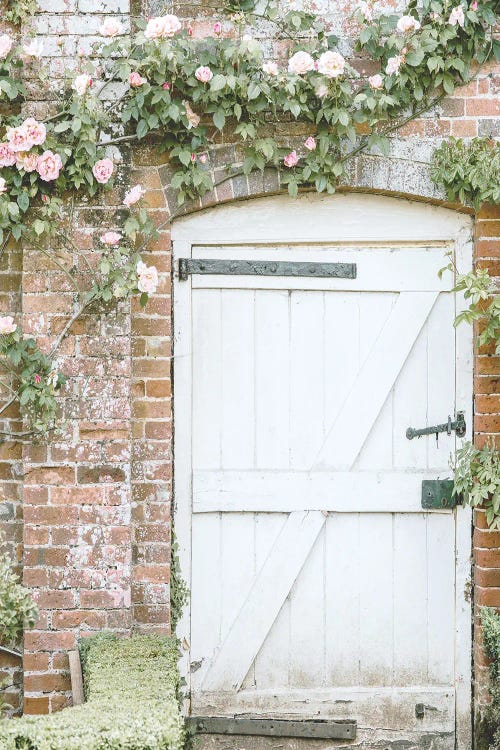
(366, 173)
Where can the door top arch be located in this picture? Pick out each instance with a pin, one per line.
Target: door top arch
(343, 217)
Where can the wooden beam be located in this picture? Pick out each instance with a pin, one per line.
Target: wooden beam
(75, 670)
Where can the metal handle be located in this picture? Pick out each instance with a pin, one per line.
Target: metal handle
(458, 425)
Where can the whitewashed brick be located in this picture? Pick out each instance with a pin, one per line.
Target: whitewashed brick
(104, 6)
(57, 6)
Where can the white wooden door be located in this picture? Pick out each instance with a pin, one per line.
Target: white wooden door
(319, 586)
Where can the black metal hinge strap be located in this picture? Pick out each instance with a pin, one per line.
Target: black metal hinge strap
(307, 728)
(265, 268)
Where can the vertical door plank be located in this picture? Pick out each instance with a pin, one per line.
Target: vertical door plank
(207, 378)
(410, 599)
(237, 565)
(441, 596)
(441, 379)
(272, 379)
(307, 621)
(238, 406)
(342, 356)
(376, 452)
(342, 586)
(376, 599)
(307, 379)
(206, 598)
(410, 407)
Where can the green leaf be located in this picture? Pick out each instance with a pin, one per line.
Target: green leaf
(253, 90)
(218, 82)
(142, 129)
(219, 119)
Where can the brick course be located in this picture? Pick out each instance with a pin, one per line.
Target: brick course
(95, 541)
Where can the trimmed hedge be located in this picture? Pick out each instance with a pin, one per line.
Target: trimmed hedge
(131, 686)
(491, 638)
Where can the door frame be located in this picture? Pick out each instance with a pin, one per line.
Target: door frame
(352, 219)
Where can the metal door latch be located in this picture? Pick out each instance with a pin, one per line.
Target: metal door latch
(458, 425)
(438, 493)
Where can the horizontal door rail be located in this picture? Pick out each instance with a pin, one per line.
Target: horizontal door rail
(217, 267)
(309, 728)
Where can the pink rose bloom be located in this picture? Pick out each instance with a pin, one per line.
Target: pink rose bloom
(135, 80)
(166, 86)
(393, 65)
(111, 238)
(203, 158)
(6, 44)
(7, 156)
(300, 63)
(407, 23)
(102, 170)
(310, 143)
(148, 278)
(457, 16)
(376, 81)
(28, 162)
(36, 131)
(133, 195)
(33, 49)
(7, 325)
(111, 27)
(291, 159)
(331, 64)
(217, 27)
(81, 84)
(162, 27)
(271, 68)
(203, 74)
(474, 5)
(38, 379)
(19, 139)
(193, 118)
(48, 166)
(3, 186)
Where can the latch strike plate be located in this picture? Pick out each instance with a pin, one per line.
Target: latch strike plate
(438, 493)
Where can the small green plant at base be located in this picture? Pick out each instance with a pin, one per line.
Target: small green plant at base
(17, 609)
(477, 479)
(179, 591)
(469, 172)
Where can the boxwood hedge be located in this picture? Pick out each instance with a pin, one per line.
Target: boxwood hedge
(488, 723)
(131, 686)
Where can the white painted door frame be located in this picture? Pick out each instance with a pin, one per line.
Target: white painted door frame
(346, 220)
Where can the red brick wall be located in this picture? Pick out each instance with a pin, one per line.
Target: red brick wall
(97, 498)
(487, 427)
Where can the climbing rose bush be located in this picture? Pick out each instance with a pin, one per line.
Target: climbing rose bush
(181, 89)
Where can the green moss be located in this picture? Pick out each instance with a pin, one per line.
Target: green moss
(488, 723)
(131, 687)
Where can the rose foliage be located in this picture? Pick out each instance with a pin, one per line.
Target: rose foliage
(187, 94)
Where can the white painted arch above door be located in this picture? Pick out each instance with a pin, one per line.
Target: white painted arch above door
(399, 246)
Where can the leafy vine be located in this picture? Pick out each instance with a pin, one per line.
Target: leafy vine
(188, 93)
